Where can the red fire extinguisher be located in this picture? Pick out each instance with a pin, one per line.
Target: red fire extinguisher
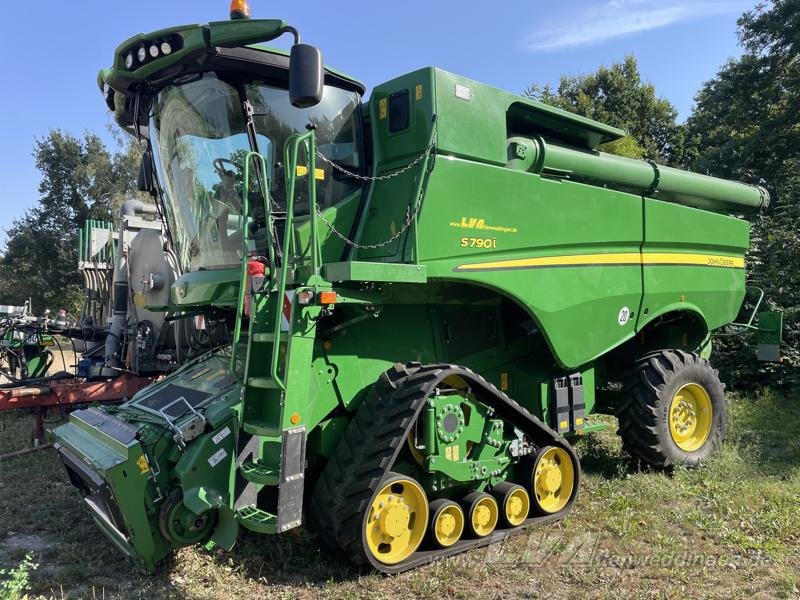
(256, 273)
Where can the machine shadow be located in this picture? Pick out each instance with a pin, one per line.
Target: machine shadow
(597, 458)
(292, 558)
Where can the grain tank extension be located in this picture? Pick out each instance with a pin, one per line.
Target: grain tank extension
(426, 294)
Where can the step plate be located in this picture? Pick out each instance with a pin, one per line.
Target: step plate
(256, 520)
(256, 473)
(290, 492)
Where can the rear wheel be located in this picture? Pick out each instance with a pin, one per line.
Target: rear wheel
(674, 410)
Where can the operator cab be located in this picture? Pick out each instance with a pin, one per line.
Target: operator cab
(208, 95)
(201, 128)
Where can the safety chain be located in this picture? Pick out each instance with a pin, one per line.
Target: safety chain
(410, 216)
(411, 213)
(405, 169)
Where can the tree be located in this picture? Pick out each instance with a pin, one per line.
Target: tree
(746, 126)
(81, 179)
(746, 121)
(616, 95)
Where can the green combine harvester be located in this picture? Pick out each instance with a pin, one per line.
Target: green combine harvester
(425, 295)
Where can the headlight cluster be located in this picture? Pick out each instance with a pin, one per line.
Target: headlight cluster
(145, 52)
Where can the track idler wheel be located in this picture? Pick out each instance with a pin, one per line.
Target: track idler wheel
(514, 501)
(397, 519)
(552, 479)
(447, 523)
(482, 513)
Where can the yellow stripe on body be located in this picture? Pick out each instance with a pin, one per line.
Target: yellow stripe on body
(611, 259)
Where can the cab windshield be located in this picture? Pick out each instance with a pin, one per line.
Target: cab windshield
(200, 137)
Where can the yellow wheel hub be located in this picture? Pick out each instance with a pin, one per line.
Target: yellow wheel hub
(445, 525)
(518, 504)
(690, 417)
(553, 480)
(396, 521)
(448, 525)
(484, 516)
(550, 479)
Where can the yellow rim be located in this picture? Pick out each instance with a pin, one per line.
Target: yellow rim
(397, 520)
(483, 516)
(517, 506)
(553, 480)
(448, 525)
(690, 417)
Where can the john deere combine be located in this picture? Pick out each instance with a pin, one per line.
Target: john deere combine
(422, 294)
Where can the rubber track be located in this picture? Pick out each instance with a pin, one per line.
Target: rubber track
(372, 443)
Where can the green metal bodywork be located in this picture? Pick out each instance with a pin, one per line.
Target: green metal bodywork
(511, 247)
(27, 355)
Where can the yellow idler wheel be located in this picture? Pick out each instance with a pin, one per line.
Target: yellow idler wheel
(553, 479)
(514, 501)
(690, 417)
(397, 519)
(482, 513)
(447, 523)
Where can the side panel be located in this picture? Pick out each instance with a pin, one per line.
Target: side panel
(365, 347)
(387, 200)
(534, 228)
(715, 286)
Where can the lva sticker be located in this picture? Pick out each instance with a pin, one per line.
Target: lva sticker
(624, 315)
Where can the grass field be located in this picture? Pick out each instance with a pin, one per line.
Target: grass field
(729, 529)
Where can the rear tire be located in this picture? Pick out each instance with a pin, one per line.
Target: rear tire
(673, 410)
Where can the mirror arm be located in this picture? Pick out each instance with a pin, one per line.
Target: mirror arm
(293, 31)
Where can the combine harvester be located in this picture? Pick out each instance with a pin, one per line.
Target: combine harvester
(424, 292)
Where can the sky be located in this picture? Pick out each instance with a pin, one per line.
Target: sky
(53, 49)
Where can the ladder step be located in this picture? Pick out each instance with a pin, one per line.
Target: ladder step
(257, 520)
(264, 383)
(262, 428)
(263, 337)
(258, 473)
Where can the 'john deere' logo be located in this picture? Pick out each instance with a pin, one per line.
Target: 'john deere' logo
(476, 223)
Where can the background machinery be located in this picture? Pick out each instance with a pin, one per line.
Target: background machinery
(118, 345)
(411, 300)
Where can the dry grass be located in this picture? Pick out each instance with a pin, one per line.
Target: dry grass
(64, 358)
(729, 529)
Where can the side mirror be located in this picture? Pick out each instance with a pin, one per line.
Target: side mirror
(305, 76)
(145, 181)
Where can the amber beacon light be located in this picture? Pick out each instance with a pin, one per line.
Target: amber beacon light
(240, 9)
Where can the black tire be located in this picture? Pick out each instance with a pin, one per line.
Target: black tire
(644, 410)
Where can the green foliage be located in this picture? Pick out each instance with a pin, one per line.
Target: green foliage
(617, 95)
(15, 582)
(81, 179)
(746, 126)
(624, 146)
